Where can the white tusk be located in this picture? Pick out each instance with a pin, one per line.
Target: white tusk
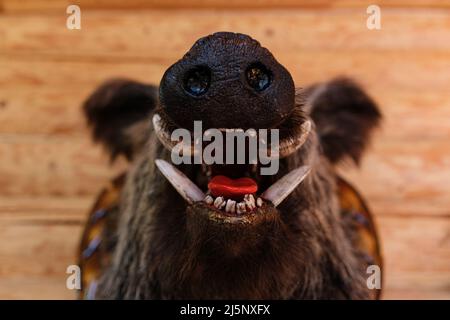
(162, 135)
(185, 187)
(289, 147)
(277, 192)
(166, 140)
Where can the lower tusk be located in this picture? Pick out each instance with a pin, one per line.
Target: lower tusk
(185, 187)
(277, 192)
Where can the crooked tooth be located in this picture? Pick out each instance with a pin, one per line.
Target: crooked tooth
(249, 201)
(208, 199)
(240, 207)
(185, 187)
(259, 202)
(283, 187)
(218, 203)
(230, 206)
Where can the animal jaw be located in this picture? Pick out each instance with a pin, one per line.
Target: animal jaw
(221, 194)
(275, 194)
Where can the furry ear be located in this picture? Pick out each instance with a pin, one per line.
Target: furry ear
(345, 117)
(119, 114)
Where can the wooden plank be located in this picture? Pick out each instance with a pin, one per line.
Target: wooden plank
(416, 251)
(146, 33)
(381, 71)
(424, 286)
(34, 259)
(50, 110)
(417, 256)
(53, 166)
(409, 117)
(395, 173)
(35, 288)
(37, 86)
(45, 209)
(414, 182)
(50, 173)
(59, 5)
(405, 177)
(37, 250)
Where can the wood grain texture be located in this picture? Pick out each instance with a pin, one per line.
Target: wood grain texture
(107, 33)
(50, 172)
(54, 5)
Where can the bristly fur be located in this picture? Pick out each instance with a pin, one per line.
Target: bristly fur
(119, 112)
(163, 252)
(345, 117)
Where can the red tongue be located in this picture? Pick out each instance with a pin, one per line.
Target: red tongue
(231, 188)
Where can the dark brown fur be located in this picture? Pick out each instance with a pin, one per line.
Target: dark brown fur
(115, 112)
(164, 252)
(166, 249)
(346, 116)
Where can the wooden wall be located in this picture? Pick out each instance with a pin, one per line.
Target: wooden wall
(50, 172)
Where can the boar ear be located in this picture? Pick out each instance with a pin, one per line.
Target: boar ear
(345, 117)
(118, 112)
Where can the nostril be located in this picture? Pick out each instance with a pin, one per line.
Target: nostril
(197, 80)
(258, 76)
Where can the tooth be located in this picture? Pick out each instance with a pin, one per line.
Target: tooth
(218, 202)
(231, 206)
(185, 187)
(259, 202)
(249, 201)
(284, 186)
(208, 199)
(240, 207)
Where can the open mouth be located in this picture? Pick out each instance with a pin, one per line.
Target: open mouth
(233, 190)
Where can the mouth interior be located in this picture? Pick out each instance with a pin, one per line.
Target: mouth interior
(232, 189)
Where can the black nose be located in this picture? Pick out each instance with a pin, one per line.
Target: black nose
(227, 80)
(258, 77)
(197, 80)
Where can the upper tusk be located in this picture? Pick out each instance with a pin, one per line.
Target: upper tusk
(285, 149)
(165, 138)
(162, 134)
(289, 147)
